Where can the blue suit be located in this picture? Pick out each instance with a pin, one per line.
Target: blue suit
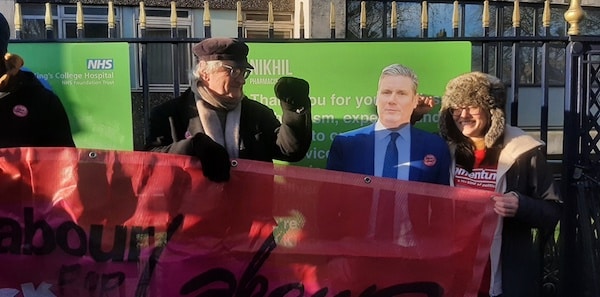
(353, 151)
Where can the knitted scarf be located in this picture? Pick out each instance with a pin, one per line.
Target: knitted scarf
(216, 113)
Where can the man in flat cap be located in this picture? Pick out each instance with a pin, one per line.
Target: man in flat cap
(30, 114)
(214, 121)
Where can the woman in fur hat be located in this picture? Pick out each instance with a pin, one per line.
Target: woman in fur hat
(488, 154)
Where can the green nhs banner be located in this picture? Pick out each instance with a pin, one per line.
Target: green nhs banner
(343, 78)
(92, 81)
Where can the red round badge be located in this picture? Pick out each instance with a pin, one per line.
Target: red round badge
(20, 111)
(429, 160)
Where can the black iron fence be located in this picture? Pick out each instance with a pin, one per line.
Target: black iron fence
(580, 229)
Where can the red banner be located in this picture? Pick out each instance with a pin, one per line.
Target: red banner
(77, 222)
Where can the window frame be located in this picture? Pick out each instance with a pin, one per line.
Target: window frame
(89, 18)
(155, 21)
(61, 17)
(256, 25)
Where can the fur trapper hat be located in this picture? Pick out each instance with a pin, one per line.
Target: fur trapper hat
(474, 89)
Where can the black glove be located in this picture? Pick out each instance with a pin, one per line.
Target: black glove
(213, 156)
(293, 91)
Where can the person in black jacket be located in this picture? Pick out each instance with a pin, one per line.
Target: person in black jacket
(30, 114)
(214, 121)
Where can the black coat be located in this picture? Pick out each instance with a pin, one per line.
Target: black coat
(523, 170)
(540, 209)
(262, 136)
(32, 116)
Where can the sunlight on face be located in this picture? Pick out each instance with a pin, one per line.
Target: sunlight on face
(223, 84)
(396, 100)
(472, 122)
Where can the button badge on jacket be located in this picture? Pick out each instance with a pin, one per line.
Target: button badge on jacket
(429, 160)
(20, 111)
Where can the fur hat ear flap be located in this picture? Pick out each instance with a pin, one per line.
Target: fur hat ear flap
(496, 130)
(443, 122)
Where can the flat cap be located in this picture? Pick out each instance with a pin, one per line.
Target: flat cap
(223, 49)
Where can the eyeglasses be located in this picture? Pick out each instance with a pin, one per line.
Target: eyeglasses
(236, 72)
(472, 110)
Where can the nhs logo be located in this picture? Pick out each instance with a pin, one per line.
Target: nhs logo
(100, 64)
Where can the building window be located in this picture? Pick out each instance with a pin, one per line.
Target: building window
(64, 21)
(406, 26)
(34, 26)
(376, 19)
(162, 56)
(95, 21)
(256, 25)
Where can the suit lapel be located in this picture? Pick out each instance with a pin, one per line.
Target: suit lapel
(191, 113)
(246, 120)
(416, 141)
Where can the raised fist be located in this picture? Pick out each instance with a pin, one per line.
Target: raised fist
(293, 91)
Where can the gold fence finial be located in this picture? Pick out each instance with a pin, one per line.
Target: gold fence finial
(240, 16)
(546, 15)
(455, 15)
(574, 15)
(331, 15)
(206, 14)
(363, 14)
(173, 17)
(424, 16)
(394, 16)
(142, 16)
(18, 17)
(111, 15)
(79, 16)
(48, 17)
(142, 19)
(485, 19)
(516, 17)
